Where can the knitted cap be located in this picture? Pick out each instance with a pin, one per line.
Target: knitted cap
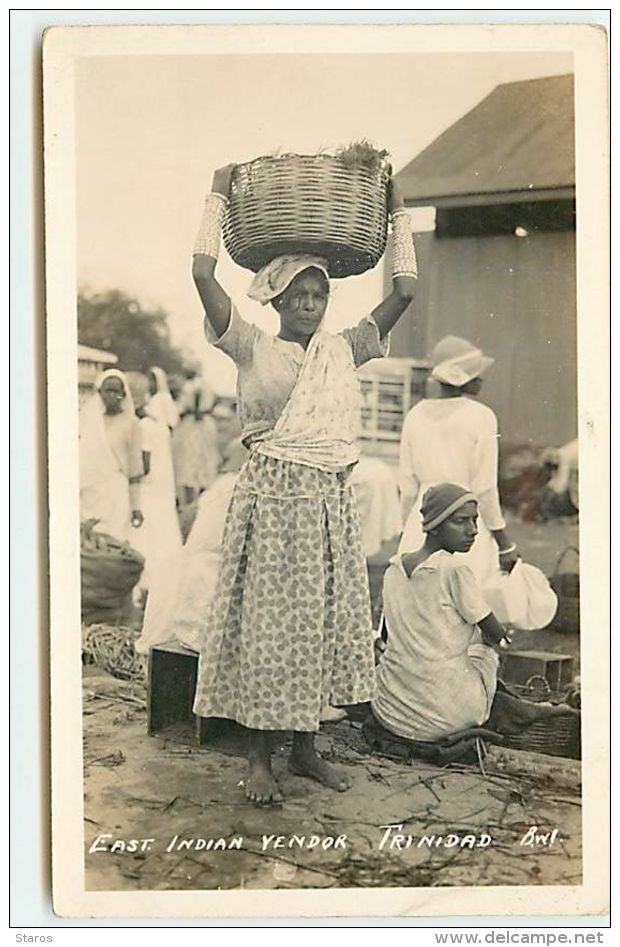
(441, 501)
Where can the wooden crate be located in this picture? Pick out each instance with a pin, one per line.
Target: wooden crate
(518, 667)
(172, 674)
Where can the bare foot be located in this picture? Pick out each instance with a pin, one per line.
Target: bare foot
(332, 714)
(313, 767)
(261, 787)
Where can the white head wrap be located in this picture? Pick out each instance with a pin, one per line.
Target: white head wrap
(97, 458)
(127, 407)
(161, 406)
(161, 380)
(273, 278)
(456, 361)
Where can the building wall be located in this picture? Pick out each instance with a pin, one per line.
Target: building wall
(515, 298)
(88, 371)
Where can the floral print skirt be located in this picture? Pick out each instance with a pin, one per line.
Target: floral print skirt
(289, 629)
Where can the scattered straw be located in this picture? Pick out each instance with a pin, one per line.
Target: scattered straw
(112, 648)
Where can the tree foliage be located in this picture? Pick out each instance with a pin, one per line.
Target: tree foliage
(118, 323)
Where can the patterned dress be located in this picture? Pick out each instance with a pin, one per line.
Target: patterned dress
(289, 628)
(194, 440)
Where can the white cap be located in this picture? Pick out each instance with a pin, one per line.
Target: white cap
(456, 361)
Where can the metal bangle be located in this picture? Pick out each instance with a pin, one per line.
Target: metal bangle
(208, 238)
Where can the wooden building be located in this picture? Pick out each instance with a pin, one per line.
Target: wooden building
(390, 387)
(499, 266)
(91, 362)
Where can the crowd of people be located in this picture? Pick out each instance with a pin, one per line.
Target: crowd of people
(271, 586)
(144, 456)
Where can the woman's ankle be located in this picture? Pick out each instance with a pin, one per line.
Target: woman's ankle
(260, 746)
(303, 745)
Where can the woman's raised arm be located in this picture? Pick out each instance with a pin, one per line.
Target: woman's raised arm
(404, 265)
(215, 301)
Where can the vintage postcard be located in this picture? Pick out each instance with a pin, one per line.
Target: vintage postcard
(327, 330)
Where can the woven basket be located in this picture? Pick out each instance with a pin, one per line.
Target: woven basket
(566, 587)
(556, 736)
(308, 204)
(109, 570)
(108, 575)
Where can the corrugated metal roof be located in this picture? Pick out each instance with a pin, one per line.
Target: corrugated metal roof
(519, 139)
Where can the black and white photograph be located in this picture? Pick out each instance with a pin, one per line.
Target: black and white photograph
(322, 439)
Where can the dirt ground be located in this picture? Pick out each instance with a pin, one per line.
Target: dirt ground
(140, 787)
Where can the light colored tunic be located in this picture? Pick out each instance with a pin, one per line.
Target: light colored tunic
(159, 536)
(453, 440)
(109, 455)
(435, 676)
(376, 490)
(289, 630)
(177, 606)
(268, 368)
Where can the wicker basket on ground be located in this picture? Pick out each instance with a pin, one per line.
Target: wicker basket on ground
(318, 204)
(565, 584)
(109, 571)
(555, 736)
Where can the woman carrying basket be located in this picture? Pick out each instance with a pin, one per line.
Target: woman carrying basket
(290, 628)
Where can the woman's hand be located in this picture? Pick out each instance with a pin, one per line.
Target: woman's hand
(508, 552)
(508, 559)
(504, 643)
(395, 196)
(494, 633)
(222, 179)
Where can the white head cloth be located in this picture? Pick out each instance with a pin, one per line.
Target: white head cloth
(127, 407)
(456, 361)
(161, 380)
(161, 407)
(97, 459)
(273, 278)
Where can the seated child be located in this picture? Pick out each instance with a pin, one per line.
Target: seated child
(438, 673)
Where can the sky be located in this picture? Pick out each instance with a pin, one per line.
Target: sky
(151, 130)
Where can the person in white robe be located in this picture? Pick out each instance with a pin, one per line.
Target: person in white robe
(177, 609)
(160, 536)
(454, 438)
(110, 459)
(161, 405)
(375, 486)
(194, 447)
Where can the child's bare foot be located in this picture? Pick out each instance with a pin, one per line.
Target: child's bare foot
(311, 765)
(261, 787)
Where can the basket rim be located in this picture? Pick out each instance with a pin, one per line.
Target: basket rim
(383, 164)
